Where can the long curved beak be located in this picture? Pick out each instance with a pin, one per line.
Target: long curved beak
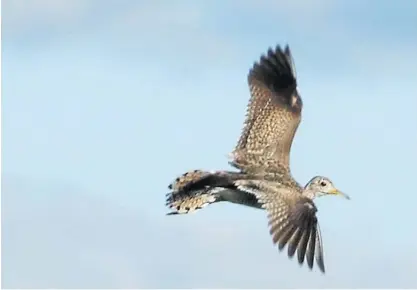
(340, 193)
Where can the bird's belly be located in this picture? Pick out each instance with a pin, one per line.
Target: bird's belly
(240, 197)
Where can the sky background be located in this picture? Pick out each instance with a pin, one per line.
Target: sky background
(106, 102)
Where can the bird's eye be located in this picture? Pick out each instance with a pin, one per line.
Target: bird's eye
(323, 183)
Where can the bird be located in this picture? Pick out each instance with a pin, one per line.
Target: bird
(262, 177)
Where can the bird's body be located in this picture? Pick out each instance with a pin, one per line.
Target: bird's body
(263, 179)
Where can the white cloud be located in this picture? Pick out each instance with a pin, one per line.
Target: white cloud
(61, 234)
(300, 14)
(172, 30)
(21, 15)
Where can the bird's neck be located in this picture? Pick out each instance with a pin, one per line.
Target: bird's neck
(309, 193)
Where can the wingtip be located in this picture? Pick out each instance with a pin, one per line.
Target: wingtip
(275, 69)
(321, 267)
(287, 49)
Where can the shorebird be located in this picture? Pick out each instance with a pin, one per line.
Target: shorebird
(262, 158)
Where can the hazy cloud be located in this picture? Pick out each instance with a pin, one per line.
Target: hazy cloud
(62, 237)
(24, 14)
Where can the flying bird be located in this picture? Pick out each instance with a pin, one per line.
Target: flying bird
(262, 178)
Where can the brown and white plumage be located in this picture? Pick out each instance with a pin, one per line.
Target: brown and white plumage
(292, 218)
(262, 156)
(273, 113)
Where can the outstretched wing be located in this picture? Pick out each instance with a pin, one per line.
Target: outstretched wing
(273, 113)
(292, 220)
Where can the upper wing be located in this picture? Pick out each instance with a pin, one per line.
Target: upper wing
(273, 113)
(292, 220)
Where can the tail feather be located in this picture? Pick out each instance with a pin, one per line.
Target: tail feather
(188, 202)
(186, 179)
(196, 189)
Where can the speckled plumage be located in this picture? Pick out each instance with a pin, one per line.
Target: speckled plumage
(273, 114)
(262, 154)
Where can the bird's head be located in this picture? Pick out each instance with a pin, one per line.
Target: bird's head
(319, 186)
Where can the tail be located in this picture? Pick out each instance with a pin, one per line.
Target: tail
(196, 189)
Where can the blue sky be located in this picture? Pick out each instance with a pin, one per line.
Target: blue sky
(105, 102)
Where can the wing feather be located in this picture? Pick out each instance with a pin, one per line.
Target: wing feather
(292, 220)
(273, 113)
